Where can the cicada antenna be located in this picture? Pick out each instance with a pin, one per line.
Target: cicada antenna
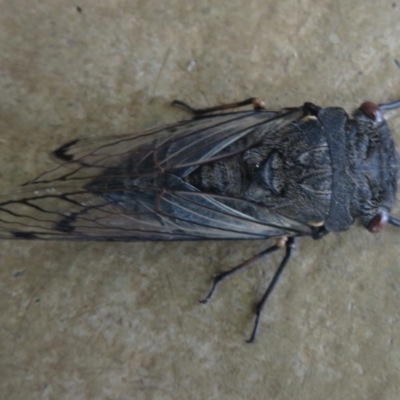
(389, 106)
(394, 221)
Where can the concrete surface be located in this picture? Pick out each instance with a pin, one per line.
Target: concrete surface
(121, 320)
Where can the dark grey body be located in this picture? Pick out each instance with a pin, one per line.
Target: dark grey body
(289, 172)
(322, 170)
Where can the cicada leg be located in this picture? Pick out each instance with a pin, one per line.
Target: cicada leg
(257, 104)
(288, 244)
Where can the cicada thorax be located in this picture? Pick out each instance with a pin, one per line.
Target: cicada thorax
(289, 172)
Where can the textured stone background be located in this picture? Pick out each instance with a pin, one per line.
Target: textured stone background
(121, 320)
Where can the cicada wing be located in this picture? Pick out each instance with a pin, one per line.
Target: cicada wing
(120, 188)
(71, 213)
(181, 146)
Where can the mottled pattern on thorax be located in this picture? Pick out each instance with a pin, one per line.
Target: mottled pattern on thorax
(290, 172)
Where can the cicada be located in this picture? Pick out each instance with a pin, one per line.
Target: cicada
(253, 174)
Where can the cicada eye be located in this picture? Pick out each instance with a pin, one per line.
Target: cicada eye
(372, 111)
(378, 222)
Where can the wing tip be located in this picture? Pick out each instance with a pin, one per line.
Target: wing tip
(62, 152)
(23, 235)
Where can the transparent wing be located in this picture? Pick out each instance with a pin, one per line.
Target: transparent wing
(182, 146)
(132, 187)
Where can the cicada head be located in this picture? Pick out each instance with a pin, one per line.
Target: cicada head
(376, 165)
